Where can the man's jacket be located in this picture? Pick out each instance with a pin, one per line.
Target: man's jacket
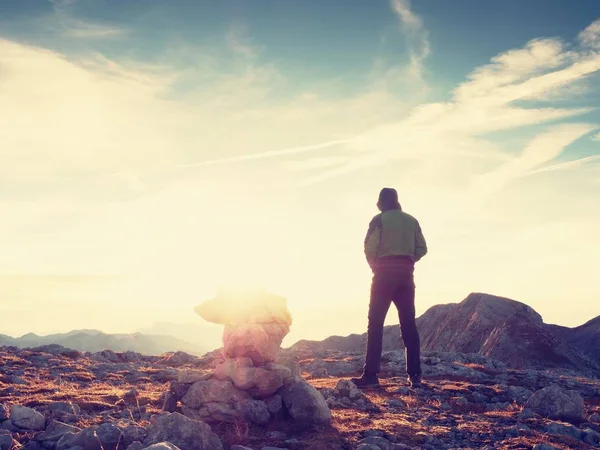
(394, 233)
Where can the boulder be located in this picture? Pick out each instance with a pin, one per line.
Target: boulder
(185, 433)
(255, 411)
(259, 341)
(55, 431)
(304, 404)
(27, 418)
(260, 382)
(213, 412)
(555, 403)
(213, 391)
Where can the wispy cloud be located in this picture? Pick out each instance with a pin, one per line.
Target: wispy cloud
(239, 41)
(597, 137)
(590, 37)
(416, 35)
(80, 29)
(574, 164)
(484, 103)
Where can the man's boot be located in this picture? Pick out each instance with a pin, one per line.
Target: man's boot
(367, 380)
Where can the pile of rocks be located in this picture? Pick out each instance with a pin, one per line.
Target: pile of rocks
(240, 390)
(247, 384)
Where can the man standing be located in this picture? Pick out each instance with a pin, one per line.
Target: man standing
(393, 244)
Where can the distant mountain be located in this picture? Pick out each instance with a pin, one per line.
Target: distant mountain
(201, 333)
(95, 341)
(495, 327)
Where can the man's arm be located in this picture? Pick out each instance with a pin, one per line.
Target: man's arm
(420, 244)
(372, 240)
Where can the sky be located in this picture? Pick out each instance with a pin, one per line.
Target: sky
(153, 150)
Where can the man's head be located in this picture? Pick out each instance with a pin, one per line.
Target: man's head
(388, 199)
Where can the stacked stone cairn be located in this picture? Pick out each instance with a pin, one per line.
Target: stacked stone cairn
(249, 383)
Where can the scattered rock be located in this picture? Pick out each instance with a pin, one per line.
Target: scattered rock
(304, 403)
(137, 445)
(27, 418)
(191, 375)
(55, 431)
(591, 437)
(563, 429)
(6, 441)
(178, 359)
(377, 442)
(4, 412)
(213, 391)
(185, 433)
(555, 403)
(162, 446)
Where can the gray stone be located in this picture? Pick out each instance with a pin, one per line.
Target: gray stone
(594, 418)
(255, 411)
(555, 403)
(136, 445)
(304, 403)
(279, 435)
(284, 371)
(377, 441)
(591, 437)
(4, 412)
(544, 447)
(64, 408)
(56, 430)
(191, 375)
(109, 435)
(212, 412)
(27, 418)
(185, 433)
(162, 446)
(213, 391)
(103, 437)
(563, 429)
(258, 381)
(133, 433)
(526, 414)
(169, 402)
(346, 388)
(239, 447)
(6, 441)
(274, 405)
(290, 364)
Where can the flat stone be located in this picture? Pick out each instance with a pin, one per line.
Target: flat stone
(27, 418)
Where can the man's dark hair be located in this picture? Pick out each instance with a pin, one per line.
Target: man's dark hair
(388, 199)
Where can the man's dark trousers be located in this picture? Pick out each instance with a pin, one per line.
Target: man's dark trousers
(395, 284)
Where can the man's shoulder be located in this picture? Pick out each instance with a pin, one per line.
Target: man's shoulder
(375, 221)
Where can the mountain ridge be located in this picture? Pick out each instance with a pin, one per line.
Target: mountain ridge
(495, 327)
(96, 340)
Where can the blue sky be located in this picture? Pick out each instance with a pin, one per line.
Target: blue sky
(151, 140)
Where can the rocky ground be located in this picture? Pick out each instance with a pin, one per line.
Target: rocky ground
(54, 398)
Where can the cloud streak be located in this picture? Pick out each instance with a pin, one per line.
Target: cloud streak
(416, 35)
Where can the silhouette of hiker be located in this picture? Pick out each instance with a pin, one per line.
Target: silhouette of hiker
(393, 244)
